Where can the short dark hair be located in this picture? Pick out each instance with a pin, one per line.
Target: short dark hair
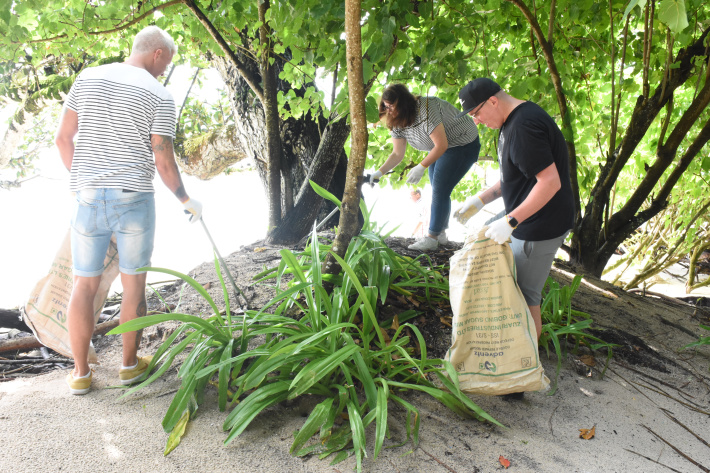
(405, 103)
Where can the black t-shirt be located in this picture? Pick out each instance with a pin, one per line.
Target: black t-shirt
(530, 141)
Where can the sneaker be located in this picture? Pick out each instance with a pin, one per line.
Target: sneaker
(131, 375)
(79, 386)
(424, 244)
(443, 239)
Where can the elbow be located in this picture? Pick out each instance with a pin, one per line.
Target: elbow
(60, 141)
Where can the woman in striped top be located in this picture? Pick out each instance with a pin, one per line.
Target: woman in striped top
(451, 142)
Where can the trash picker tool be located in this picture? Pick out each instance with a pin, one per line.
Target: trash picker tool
(364, 179)
(224, 265)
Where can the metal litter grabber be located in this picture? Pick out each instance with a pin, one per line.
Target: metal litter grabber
(365, 178)
(224, 265)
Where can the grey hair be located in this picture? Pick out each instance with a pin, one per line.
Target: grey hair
(152, 38)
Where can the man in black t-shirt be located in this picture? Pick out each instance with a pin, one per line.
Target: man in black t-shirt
(534, 183)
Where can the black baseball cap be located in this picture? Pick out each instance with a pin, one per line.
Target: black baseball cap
(475, 93)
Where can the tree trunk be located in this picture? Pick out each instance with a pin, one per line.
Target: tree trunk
(309, 151)
(348, 227)
(271, 119)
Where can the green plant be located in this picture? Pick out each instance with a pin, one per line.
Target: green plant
(334, 347)
(561, 323)
(208, 341)
(700, 341)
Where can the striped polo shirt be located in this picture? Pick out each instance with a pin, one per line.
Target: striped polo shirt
(431, 111)
(119, 108)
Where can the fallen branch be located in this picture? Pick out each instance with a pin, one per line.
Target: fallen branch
(652, 460)
(703, 441)
(438, 461)
(30, 343)
(677, 450)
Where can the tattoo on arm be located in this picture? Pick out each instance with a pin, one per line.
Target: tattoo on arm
(180, 192)
(162, 143)
(497, 193)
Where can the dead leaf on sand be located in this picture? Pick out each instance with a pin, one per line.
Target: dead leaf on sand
(587, 434)
(504, 461)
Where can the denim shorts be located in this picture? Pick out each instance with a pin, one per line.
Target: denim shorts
(98, 214)
(533, 260)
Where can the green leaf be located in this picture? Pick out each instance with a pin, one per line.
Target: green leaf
(317, 369)
(372, 111)
(381, 416)
(177, 433)
(358, 431)
(242, 415)
(179, 403)
(673, 13)
(314, 422)
(224, 371)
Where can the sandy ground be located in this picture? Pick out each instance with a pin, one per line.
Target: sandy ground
(44, 428)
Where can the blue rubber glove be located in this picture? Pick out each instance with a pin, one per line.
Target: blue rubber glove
(415, 175)
(499, 230)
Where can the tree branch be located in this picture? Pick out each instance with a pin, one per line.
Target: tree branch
(250, 78)
(567, 127)
(113, 30)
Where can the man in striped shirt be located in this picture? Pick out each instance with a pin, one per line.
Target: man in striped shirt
(124, 123)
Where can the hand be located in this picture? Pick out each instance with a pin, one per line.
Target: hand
(374, 177)
(415, 174)
(193, 207)
(469, 208)
(500, 230)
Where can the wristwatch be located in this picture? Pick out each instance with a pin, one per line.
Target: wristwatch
(512, 221)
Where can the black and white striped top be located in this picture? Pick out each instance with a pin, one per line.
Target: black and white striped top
(459, 131)
(119, 107)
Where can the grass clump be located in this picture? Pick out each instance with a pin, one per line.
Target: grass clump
(562, 325)
(312, 342)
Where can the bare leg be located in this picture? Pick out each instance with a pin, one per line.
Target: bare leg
(133, 305)
(81, 321)
(537, 317)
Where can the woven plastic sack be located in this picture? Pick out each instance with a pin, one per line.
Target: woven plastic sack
(494, 344)
(46, 309)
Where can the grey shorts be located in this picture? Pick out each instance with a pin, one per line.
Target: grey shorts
(533, 260)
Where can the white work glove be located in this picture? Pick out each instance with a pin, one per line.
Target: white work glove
(469, 208)
(500, 230)
(415, 175)
(375, 176)
(193, 207)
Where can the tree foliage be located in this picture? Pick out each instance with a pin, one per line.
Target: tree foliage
(626, 81)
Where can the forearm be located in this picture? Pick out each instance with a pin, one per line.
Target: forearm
(433, 155)
(167, 167)
(66, 151)
(491, 194)
(393, 160)
(64, 138)
(539, 196)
